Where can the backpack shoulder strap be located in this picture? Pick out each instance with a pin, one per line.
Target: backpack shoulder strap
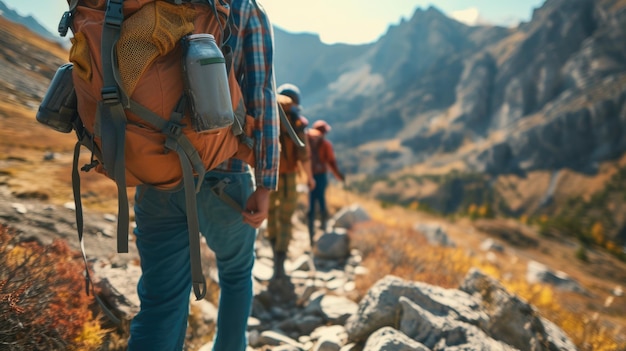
(113, 117)
(73, 4)
(290, 131)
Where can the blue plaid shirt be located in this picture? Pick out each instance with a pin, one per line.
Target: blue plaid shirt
(252, 44)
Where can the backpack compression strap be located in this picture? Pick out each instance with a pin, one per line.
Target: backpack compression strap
(189, 160)
(113, 118)
(80, 226)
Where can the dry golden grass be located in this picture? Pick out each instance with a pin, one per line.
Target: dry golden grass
(390, 245)
(26, 36)
(23, 144)
(523, 192)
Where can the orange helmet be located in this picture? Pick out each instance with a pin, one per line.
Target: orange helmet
(322, 126)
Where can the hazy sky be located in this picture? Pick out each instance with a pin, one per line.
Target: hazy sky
(346, 21)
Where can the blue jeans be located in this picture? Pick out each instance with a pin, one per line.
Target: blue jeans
(318, 195)
(165, 285)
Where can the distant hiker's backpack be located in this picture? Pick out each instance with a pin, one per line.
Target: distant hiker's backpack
(291, 148)
(124, 95)
(318, 158)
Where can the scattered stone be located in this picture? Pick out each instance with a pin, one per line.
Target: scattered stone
(389, 339)
(435, 234)
(19, 208)
(110, 217)
(49, 156)
(491, 245)
(333, 245)
(540, 273)
(347, 217)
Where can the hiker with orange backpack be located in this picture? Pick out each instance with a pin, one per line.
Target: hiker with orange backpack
(161, 216)
(322, 160)
(293, 157)
(154, 90)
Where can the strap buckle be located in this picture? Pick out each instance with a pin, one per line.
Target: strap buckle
(114, 15)
(110, 95)
(174, 129)
(64, 23)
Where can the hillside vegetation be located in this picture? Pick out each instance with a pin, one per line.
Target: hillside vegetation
(589, 208)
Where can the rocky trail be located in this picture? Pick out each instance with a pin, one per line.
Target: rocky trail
(316, 308)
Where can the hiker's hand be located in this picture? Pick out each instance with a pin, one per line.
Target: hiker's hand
(257, 207)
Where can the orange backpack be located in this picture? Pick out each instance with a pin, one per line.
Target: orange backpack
(129, 97)
(292, 148)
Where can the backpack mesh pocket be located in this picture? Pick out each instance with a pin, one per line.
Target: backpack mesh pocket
(151, 32)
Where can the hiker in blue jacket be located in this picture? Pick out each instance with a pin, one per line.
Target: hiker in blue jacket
(162, 239)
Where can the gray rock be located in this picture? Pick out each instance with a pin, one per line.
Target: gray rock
(118, 287)
(347, 217)
(272, 338)
(389, 339)
(491, 245)
(540, 273)
(444, 333)
(435, 234)
(333, 245)
(381, 307)
(330, 337)
(511, 319)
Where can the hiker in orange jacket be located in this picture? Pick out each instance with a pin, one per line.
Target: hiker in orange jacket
(322, 160)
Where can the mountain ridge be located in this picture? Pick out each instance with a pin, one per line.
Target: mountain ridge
(29, 22)
(545, 96)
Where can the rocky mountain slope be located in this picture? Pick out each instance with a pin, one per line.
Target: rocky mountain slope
(527, 120)
(545, 95)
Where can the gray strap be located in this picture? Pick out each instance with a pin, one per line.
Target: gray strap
(113, 122)
(197, 278)
(78, 209)
(187, 154)
(79, 227)
(173, 129)
(113, 118)
(73, 4)
(218, 190)
(292, 133)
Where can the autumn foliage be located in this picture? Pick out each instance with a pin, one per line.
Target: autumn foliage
(43, 305)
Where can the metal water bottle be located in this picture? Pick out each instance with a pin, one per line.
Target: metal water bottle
(206, 83)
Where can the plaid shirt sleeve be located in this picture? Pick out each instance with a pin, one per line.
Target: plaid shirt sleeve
(253, 47)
